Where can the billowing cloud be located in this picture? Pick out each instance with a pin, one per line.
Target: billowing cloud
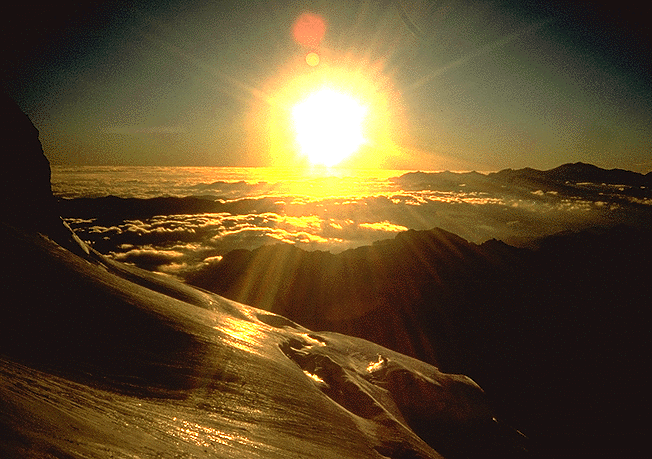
(148, 256)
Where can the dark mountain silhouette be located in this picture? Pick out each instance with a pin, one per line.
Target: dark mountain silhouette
(551, 333)
(582, 172)
(568, 179)
(579, 179)
(575, 173)
(342, 292)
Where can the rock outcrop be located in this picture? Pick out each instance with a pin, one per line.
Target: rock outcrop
(26, 198)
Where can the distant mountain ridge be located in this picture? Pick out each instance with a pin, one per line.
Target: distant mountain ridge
(577, 173)
(561, 176)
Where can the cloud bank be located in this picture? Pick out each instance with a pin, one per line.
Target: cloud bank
(178, 235)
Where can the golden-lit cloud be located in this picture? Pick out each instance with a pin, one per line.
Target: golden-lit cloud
(149, 257)
(297, 237)
(335, 213)
(383, 226)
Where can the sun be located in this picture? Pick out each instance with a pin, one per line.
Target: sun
(344, 111)
(328, 126)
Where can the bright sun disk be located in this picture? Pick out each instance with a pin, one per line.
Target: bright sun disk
(328, 126)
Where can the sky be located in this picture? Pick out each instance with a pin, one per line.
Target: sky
(447, 85)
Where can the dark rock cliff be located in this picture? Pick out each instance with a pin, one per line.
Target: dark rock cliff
(26, 198)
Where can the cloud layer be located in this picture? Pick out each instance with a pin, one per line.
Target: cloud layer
(180, 235)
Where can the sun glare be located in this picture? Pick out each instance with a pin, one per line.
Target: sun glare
(343, 112)
(328, 107)
(328, 126)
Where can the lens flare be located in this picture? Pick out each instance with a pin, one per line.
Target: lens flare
(309, 30)
(312, 59)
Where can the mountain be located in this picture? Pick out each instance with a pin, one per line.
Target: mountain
(550, 333)
(336, 292)
(569, 179)
(99, 359)
(582, 172)
(572, 178)
(25, 176)
(520, 206)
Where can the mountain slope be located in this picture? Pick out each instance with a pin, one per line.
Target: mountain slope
(87, 352)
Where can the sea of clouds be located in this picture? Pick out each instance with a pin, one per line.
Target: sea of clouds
(248, 208)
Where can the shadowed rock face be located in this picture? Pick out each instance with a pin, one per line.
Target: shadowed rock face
(26, 198)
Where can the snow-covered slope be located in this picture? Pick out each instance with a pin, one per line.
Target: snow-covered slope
(103, 360)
